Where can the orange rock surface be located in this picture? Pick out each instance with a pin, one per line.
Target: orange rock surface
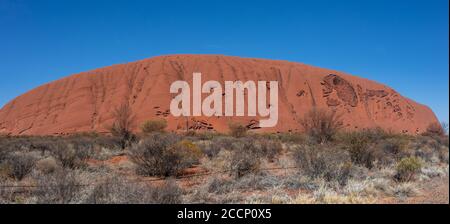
(85, 102)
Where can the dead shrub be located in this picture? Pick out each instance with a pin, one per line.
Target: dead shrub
(245, 160)
(17, 165)
(323, 161)
(434, 129)
(210, 149)
(237, 130)
(60, 187)
(270, 149)
(118, 191)
(321, 125)
(154, 126)
(47, 165)
(396, 146)
(72, 154)
(124, 120)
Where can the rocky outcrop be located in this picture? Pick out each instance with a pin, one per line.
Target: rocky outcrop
(84, 102)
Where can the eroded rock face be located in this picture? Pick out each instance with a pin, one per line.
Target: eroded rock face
(84, 102)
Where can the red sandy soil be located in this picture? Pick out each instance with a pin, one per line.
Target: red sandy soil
(84, 102)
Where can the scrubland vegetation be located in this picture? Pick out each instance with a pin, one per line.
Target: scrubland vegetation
(324, 165)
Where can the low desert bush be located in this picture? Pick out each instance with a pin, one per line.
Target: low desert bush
(72, 154)
(296, 138)
(245, 160)
(17, 165)
(407, 168)
(154, 126)
(396, 146)
(210, 149)
(163, 155)
(118, 191)
(47, 165)
(190, 152)
(237, 130)
(321, 125)
(319, 161)
(434, 129)
(358, 144)
(270, 148)
(60, 187)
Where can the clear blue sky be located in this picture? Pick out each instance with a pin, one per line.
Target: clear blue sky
(403, 44)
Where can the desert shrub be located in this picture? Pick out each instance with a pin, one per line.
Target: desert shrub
(407, 168)
(210, 149)
(225, 142)
(270, 149)
(154, 126)
(434, 129)
(298, 138)
(17, 166)
(122, 125)
(358, 144)
(321, 125)
(47, 165)
(168, 193)
(245, 160)
(396, 146)
(160, 155)
(190, 152)
(60, 187)
(118, 191)
(323, 161)
(237, 130)
(72, 154)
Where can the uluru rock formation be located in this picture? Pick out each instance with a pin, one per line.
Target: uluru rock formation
(84, 102)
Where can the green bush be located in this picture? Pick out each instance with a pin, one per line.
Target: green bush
(407, 168)
(358, 144)
(154, 126)
(190, 152)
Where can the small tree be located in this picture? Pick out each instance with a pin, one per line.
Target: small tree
(122, 126)
(434, 129)
(321, 124)
(154, 126)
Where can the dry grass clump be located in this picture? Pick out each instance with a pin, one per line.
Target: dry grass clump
(319, 161)
(17, 165)
(237, 130)
(60, 187)
(120, 191)
(245, 160)
(154, 126)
